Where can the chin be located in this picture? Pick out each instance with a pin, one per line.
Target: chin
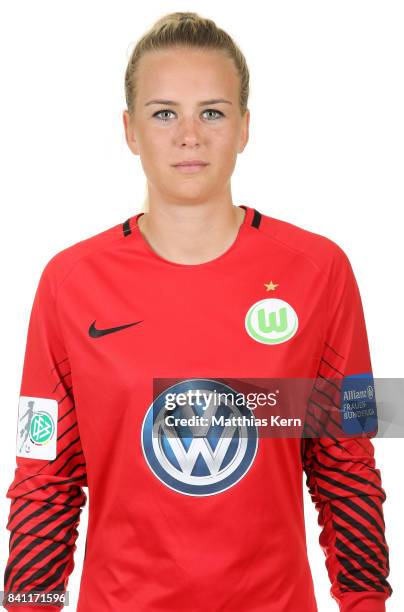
(189, 190)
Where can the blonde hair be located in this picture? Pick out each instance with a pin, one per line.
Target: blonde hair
(185, 29)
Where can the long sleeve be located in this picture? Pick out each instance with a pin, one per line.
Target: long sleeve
(341, 474)
(46, 493)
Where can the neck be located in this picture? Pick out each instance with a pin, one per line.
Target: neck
(191, 234)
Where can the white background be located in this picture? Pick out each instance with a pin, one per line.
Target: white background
(325, 153)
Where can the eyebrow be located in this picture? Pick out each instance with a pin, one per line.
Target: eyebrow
(203, 103)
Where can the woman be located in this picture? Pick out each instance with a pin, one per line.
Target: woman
(147, 320)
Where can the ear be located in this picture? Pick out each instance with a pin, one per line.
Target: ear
(244, 134)
(129, 128)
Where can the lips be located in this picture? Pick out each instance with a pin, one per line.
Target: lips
(191, 162)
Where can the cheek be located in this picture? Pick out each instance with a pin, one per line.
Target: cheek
(151, 137)
(223, 145)
(154, 150)
(224, 141)
(154, 141)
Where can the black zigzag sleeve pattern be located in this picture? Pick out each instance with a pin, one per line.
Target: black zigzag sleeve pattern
(342, 478)
(47, 496)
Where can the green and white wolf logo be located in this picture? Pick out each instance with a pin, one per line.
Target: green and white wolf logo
(271, 321)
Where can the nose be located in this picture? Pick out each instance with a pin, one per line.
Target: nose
(188, 132)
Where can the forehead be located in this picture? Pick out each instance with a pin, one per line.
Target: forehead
(202, 72)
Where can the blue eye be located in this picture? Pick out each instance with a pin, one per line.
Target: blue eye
(166, 110)
(212, 110)
(160, 112)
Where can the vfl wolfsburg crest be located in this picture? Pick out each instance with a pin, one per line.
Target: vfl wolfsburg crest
(271, 321)
(205, 453)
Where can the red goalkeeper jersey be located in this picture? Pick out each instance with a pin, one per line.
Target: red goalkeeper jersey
(178, 522)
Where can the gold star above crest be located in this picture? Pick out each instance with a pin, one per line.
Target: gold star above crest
(271, 286)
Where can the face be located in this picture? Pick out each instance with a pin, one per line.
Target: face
(187, 108)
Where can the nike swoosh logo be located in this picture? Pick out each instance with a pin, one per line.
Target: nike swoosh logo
(97, 333)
